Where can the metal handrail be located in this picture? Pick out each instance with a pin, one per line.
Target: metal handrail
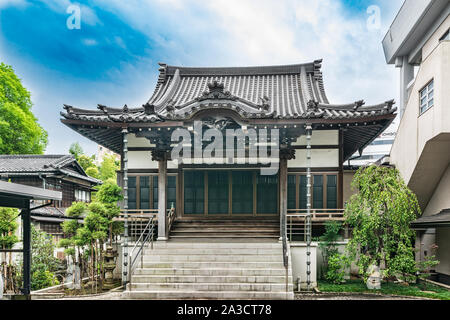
(285, 251)
(151, 230)
(296, 220)
(170, 217)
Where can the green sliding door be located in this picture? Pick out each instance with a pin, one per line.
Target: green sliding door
(194, 192)
(242, 189)
(218, 187)
(267, 194)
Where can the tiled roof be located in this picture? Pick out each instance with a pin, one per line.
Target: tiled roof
(33, 163)
(18, 165)
(280, 92)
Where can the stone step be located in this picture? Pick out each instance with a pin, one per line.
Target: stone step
(208, 279)
(226, 230)
(214, 245)
(208, 295)
(271, 287)
(223, 236)
(212, 258)
(224, 220)
(214, 251)
(211, 272)
(226, 226)
(214, 264)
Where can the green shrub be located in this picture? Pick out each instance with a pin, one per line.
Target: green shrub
(336, 268)
(42, 279)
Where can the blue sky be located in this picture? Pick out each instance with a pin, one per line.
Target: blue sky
(112, 59)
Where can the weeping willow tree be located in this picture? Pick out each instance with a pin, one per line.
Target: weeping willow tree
(380, 215)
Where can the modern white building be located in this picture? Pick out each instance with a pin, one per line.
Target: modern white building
(379, 148)
(102, 152)
(418, 40)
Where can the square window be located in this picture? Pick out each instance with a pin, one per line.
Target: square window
(426, 97)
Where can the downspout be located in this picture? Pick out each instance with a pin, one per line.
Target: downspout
(308, 205)
(44, 183)
(125, 262)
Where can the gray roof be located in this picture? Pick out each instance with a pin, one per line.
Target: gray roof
(437, 220)
(20, 165)
(20, 190)
(279, 92)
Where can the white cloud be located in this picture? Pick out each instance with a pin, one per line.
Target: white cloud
(12, 3)
(264, 32)
(90, 42)
(269, 32)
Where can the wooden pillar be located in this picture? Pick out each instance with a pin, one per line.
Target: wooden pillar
(341, 171)
(162, 199)
(285, 155)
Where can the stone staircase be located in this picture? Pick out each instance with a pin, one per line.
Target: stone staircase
(231, 229)
(212, 268)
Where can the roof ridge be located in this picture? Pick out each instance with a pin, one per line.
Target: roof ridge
(32, 155)
(169, 70)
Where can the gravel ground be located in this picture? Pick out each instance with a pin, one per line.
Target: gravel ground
(352, 296)
(321, 296)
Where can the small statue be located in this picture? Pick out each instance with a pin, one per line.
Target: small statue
(374, 281)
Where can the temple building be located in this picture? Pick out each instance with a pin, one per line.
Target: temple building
(226, 200)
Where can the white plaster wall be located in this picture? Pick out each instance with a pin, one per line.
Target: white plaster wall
(133, 141)
(441, 196)
(319, 158)
(347, 191)
(298, 261)
(143, 160)
(443, 252)
(433, 42)
(320, 138)
(416, 130)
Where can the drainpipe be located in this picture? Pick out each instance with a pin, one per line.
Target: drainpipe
(125, 258)
(44, 183)
(308, 205)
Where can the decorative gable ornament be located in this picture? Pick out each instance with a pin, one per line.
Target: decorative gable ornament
(216, 92)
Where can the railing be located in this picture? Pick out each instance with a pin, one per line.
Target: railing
(296, 221)
(170, 218)
(285, 251)
(137, 221)
(146, 236)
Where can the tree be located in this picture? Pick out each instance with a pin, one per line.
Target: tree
(109, 194)
(73, 246)
(8, 227)
(108, 168)
(328, 242)
(76, 150)
(43, 262)
(93, 234)
(19, 131)
(380, 215)
(86, 161)
(93, 172)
